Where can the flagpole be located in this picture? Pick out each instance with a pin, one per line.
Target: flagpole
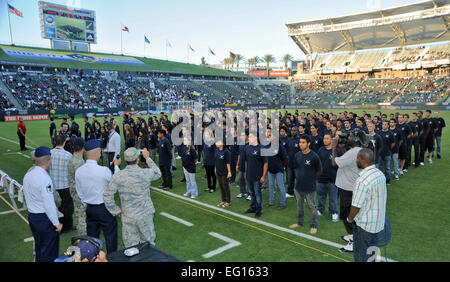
(121, 38)
(9, 22)
(188, 54)
(166, 50)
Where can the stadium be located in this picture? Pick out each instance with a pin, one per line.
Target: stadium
(392, 62)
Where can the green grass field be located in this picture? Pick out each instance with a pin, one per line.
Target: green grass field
(417, 209)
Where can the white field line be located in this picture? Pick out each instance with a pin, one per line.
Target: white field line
(14, 142)
(251, 219)
(231, 244)
(184, 222)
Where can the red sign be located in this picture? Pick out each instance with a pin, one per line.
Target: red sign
(284, 73)
(257, 73)
(26, 118)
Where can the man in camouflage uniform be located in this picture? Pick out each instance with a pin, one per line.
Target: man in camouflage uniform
(74, 163)
(133, 186)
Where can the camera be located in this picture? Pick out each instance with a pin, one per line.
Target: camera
(343, 139)
(359, 136)
(141, 158)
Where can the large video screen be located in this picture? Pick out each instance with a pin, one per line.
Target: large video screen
(67, 23)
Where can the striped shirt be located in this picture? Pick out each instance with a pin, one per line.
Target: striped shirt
(369, 195)
(59, 168)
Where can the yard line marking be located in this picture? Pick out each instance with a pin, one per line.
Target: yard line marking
(18, 153)
(11, 211)
(15, 210)
(176, 219)
(14, 142)
(30, 239)
(287, 230)
(231, 244)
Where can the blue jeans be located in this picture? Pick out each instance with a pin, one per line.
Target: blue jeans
(323, 189)
(438, 145)
(386, 161)
(395, 159)
(364, 245)
(254, 188)
(279, 178)
(311, 200)
(191, 184)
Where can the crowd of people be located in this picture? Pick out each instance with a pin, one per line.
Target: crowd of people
(309, 156)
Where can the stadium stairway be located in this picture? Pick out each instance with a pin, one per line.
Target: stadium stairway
(259, 88)
(10, 96)
(206, 89)
(346, 101)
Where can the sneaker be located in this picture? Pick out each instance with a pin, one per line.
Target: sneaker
(438, 156)
(197, 163)
(258, 215)
(249, 198)
(335, 217)
(347, 238)
(295, 225)
(396, 177)
(193, 197)
(430, 161)
(186, 194)
(268, 205)
(250, 211)
(313, 230)
(240, 195)
(422, 164)
(280, 208)
(178, 158)
(401, 173)
(183, 180)
(405, 170)
(319, 213)
(289, 195)
(348, 248)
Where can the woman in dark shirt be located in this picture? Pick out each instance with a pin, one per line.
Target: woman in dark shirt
(222, 162)
(130, 140)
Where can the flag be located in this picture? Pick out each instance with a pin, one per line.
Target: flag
(190, 47)
(212, 53)
(232, 55)
(168, 44)
(146, 39)
(125, 29)
(15, 11)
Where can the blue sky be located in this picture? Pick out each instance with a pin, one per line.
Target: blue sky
(248, 27)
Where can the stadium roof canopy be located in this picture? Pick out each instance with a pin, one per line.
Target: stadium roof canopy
(422, 22)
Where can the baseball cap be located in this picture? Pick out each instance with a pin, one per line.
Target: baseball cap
(87, 246)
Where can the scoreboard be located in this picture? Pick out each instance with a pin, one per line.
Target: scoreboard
(65, 23)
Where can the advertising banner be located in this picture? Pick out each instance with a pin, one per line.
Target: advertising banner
(26, 118)
(279, 73)
(19, 53)
(257, 73)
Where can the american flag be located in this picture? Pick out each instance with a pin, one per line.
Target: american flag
(15, 11)
(125, 29)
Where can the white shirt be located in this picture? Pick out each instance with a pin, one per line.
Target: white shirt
(348, 171)
(91, 181)
(38, 191)
(114, 143)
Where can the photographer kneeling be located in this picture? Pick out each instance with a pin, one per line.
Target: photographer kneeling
(347, 174)
(133, 186)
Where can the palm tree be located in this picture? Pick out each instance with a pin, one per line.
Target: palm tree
(286, 59)
(239, 58)
(250, 63)
(268, 59)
